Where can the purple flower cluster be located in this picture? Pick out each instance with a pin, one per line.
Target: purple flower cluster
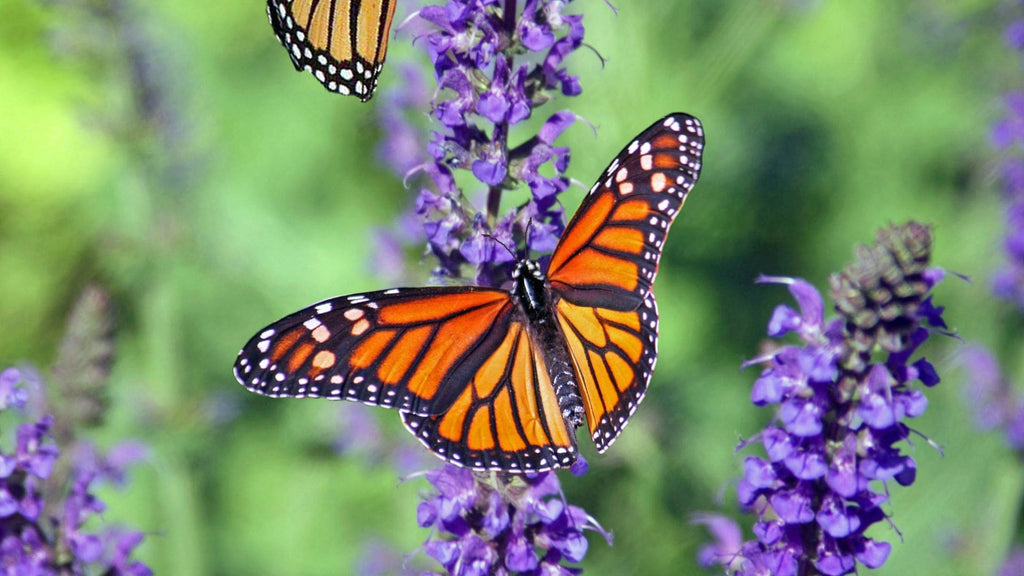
(494, 64)
(1007, 137)
(842, 397)
(518, 525)
(31, 542)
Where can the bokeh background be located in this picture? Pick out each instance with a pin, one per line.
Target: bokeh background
(168, 152)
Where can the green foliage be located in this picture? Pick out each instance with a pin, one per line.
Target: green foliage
(248, 191)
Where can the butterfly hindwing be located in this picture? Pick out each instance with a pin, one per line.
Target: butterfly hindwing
(413, 349)
(343, 43)
(506, 419)
(609, 252)
(614, 354)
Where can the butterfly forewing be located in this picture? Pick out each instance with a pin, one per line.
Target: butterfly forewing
(413, 349)
(343, 43)
(507, 418)
(609, 252)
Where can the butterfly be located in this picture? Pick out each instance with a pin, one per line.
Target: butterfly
(341, 42)
(495, 379)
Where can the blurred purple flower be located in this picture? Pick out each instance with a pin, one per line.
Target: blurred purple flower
(1015, 35)
(840, 414)
(1007, 137)
(11, 395)
(402, 146)
(32, 543)
(358, 433)
(1013, 565)
(991, 397)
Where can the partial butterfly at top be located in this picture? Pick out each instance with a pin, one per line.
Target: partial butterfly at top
(499, 380)
(341, 42)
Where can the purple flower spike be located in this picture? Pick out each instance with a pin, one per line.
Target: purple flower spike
(840, 411)
(492, 70)
(485, 87)
(510, 525)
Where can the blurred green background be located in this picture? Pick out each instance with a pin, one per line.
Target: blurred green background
(232, 191)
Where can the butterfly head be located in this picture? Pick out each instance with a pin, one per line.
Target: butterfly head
(526, 268)
(529, 287)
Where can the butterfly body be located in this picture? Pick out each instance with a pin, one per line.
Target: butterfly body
(496, 379)
(532, 291)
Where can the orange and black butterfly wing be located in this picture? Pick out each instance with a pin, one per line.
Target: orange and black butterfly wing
(614, 354)
(608, 255)
(343, 43)
(414, 349)
(458, 362)
(604, 266)
(507, 418)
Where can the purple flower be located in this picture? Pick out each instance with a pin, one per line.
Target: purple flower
(514, 524)
(11, 395)
(840, 414)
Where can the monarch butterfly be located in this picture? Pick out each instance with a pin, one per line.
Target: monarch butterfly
(499, 380)
(341, 42)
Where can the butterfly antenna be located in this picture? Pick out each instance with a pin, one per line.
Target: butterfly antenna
(503, 245)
